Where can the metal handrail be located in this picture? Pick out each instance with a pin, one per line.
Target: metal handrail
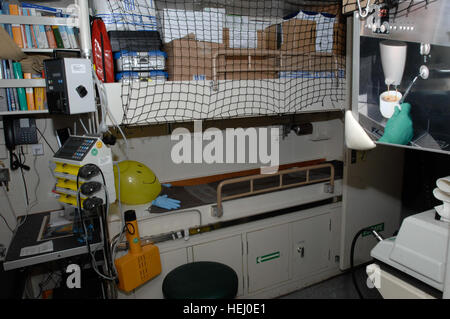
(263, 52)
(218, 209)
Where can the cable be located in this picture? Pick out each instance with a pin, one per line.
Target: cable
(105, 109)
(6, 222)
(42, 135)
(80, 211)
(352, 256)
(28, 208)
(84, 127)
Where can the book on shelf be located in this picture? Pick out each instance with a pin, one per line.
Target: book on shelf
(27, 30)
(16, 28)
(3, 94)
(17, 68)
(39, 36)
(14, 96)
(40, 101)
(29, 94)
(58, 38)
(20, 99)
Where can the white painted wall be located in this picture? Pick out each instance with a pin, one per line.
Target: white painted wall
(39, 181)
(153, 152)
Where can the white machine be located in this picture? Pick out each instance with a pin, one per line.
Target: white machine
(420, 248)
(77, 152)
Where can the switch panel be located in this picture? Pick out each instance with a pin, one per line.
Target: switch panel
(70, 86)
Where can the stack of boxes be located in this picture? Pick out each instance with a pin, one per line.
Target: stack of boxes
(211, 45)
(251, 49)
(141, 66)
(135, 40)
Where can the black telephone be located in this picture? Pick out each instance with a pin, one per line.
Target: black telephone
(19, 131)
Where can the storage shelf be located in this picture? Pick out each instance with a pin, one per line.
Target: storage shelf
(13, 19)
(38, 50)
(22, 83)
(24, 112)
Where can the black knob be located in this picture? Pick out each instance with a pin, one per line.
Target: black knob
(81, 90)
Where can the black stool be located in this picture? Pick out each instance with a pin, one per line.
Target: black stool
(201, 280)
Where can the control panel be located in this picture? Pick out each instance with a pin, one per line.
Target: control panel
(75, 148)
(70, 86)
(417, 21)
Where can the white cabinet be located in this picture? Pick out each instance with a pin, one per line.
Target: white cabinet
(227, 251)
(169, 261)
(267, 257)
(311, 245)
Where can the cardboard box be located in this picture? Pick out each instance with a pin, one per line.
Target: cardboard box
(238, 67)
(270, 38)
(299, 36)
(312, 63)
(189, 59)
(339, 38)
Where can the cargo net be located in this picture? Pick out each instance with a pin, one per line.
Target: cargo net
(191, 60)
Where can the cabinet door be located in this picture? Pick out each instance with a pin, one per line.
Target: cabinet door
(267, 257)
(311, 244)
(227, 251)
(169, 261)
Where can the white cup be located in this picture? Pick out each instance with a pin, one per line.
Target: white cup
(387, 108)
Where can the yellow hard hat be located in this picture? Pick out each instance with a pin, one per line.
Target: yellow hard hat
(138, 184)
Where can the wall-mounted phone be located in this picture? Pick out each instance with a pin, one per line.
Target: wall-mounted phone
(19, 132)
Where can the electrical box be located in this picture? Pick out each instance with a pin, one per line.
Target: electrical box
(70, 86)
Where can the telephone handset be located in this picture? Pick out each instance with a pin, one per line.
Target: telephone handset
(19, 132)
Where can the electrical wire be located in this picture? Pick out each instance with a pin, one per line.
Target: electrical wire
(28, 207)
(119, 239)
(93, 262)
(84, 127)
(105, 109)
(352, 255)
(48, 144)
(6, 222)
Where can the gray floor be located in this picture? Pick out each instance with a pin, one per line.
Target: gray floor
(339, 287)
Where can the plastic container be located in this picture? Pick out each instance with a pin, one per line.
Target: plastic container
(135, 40)
(127, 77)
(140, 61)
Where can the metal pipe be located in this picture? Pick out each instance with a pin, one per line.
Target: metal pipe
(221, 198)
(85, 28)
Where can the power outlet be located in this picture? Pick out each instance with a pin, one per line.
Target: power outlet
(37, 149)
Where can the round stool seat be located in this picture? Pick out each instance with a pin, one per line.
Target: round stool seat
(201, 280)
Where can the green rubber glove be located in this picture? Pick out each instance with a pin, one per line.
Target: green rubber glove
(399, 128)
